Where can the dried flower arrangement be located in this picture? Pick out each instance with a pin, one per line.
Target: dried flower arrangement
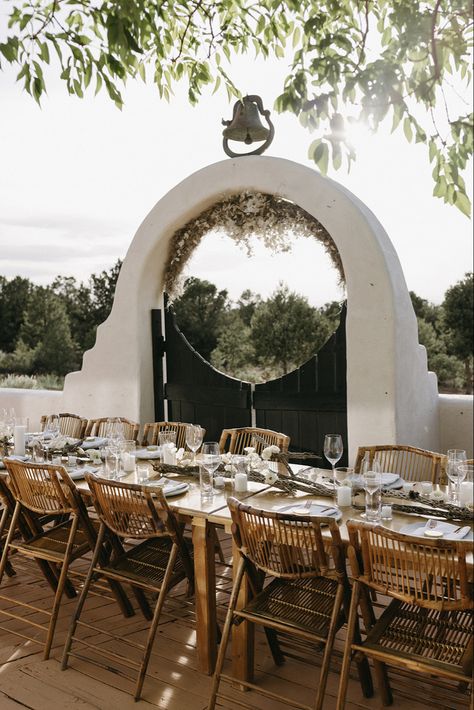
(242, 216)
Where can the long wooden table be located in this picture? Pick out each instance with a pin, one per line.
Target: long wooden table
(204, 516)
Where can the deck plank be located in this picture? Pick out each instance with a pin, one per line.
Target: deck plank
(174, 681)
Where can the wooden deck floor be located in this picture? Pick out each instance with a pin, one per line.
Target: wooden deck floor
(174, 682)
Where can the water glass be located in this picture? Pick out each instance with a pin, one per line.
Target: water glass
(110, 463)
(206, 477)
(456, 457)
(142, 473)
(373, 495)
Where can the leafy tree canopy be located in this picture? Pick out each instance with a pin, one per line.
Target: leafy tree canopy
(368, 58)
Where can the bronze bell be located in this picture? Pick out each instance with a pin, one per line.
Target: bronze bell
(246, 125)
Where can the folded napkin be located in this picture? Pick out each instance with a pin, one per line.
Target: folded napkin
(389, 480)
(148, 454)
(94, 443)
(447, 529)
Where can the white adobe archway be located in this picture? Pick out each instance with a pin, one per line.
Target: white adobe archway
(391, 396)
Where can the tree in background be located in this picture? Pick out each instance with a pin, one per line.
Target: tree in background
(199, 311)
(366, 60)
(234, 352)
(13, 296)
(286, 330)
(46, 331)
(458, 307)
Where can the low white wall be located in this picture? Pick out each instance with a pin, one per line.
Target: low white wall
(456, 414)
(456, 422)
(31, 404)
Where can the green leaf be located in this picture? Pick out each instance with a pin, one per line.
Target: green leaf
(461, 201)
(407, 129)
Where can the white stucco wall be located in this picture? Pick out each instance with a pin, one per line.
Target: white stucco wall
(456, 422)
(391, 396)
(31, 404)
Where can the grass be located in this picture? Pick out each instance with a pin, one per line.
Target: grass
(32, 382)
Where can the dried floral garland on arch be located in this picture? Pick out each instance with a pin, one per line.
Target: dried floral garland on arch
(242, 216)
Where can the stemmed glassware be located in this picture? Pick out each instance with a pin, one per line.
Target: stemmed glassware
(210, 460)
(194, 437)
(333, 450)
(456, 472)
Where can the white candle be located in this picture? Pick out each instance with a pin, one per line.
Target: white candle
(19, 439)
(466, 493)
(169, 454)
(426, 487)
(387, 512)
(240, 482)
(344, 496)
(219, 482)
(128, 462)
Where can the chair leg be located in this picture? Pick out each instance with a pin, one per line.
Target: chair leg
(380, 669)
(156, 618)
(82, 598)
(323, 677)
(225, 635)
(346, 661)
(60, 589)
(272, 640)
(11, 531)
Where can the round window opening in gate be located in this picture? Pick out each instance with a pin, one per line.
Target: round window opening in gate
(252, 339)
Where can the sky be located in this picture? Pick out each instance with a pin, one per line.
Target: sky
(78, 177)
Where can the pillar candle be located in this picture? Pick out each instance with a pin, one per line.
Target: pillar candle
(19, 439)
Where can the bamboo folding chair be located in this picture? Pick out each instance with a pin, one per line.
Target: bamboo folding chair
(5, 514)
(428, 625)
(234, 441)
(45, 490)
(98, 427)
(153, 429)
(160, 561)
(306, 597)
(410, 463)
(69, 425)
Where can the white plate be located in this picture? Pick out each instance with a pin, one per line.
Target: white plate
(77, 473)
(389, 480)
(417, 530)
(316, 510)
(169, 488)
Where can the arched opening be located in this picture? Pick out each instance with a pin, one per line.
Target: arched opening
(391, 397)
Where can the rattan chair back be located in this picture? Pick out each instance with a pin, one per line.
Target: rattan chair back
(410, 463)
(98, 427)
(152, 430)
(428, 573)
(69, 424)
(42, 488)
(234, 441)
(286, 546)
(132, 511)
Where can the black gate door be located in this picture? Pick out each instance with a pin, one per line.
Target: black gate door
(194, 390)
(311, 401)
(305, 404)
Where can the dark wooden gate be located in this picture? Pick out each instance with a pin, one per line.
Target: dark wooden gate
(305, 404)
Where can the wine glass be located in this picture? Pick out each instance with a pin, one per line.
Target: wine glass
(194, 437)
(456, 472)
(333, 449)
(210, 460)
